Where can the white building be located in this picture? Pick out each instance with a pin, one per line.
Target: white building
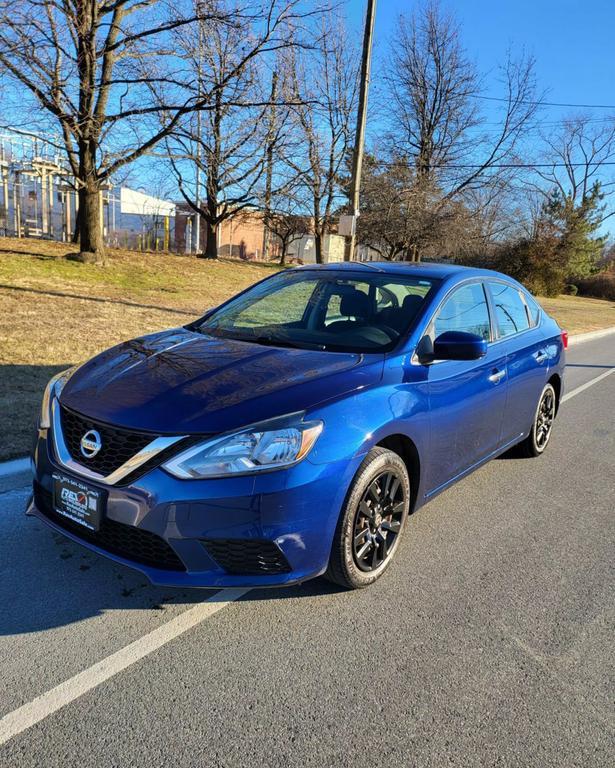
(38, 199)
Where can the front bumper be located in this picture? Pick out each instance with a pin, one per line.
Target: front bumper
(293, 512)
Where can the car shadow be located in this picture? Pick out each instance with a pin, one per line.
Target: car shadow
(48, 581)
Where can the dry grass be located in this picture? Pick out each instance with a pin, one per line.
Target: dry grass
(54, 313)
(578, 314)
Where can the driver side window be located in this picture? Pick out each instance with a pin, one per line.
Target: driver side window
(465, 310)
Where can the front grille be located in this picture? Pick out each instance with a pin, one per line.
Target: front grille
(134, 544)
(118, 444)
(247, 556)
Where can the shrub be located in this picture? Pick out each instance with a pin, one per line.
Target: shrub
(536, 263)
(601, 286)
(572, 290)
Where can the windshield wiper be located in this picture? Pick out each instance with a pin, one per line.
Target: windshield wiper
(273, 342)
(270, 341)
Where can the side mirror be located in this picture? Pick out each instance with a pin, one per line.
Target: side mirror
(458, 345)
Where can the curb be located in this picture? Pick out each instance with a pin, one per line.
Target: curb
(15, 466)
(579, 338)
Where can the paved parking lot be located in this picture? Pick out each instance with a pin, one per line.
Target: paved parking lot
(489, 642)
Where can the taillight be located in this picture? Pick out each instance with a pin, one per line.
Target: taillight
(565, 339)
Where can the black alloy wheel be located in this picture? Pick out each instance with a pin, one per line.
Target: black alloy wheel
(378, 520)
(540, 434)
(372, 520)
(544, 419)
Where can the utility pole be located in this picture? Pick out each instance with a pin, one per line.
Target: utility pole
(199, 85)
(269, 162)
(357, 156)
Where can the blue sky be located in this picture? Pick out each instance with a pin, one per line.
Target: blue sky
(572, 42)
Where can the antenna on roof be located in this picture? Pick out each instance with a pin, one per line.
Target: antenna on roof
(366, 264)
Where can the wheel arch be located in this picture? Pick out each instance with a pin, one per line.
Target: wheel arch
(556, 382)
(406, 449)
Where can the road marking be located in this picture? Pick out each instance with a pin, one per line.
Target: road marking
(38, 709)
(587, 385)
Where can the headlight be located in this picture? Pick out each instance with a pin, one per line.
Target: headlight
(253, 450)
(53, 389)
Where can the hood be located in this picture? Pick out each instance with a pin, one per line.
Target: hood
(183, 382)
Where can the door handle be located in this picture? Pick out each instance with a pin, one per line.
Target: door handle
(541, 356)
(497, 376)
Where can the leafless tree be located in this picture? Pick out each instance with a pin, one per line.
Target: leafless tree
(325, 85)
(402, 215)
(285, 218)
(437, 126)
(106, 73)
(225, 159)
(215, 154)
(577, 155)
(388, 223)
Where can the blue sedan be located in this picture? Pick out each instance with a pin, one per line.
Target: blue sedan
(289, 432)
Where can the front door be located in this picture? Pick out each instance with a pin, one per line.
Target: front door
(467, 398)
(528, 362)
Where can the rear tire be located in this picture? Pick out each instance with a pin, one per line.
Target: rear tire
(536, 442)
(371, 522)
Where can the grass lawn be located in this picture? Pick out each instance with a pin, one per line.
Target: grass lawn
(54, 313)
(578, 314)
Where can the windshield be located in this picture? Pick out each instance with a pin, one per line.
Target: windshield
(323, 310)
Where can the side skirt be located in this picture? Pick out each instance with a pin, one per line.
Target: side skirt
(498, 452)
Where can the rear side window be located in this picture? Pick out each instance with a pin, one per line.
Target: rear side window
(510, 312)
(464, 310)
(534, 310)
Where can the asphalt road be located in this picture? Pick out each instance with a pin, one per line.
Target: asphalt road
(490, 641)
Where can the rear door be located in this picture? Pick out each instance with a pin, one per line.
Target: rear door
(522, 340)
(466, 397)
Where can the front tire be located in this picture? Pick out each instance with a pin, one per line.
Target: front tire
(371, 522)
(536, 442)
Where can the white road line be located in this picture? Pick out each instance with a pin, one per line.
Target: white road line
(587, 385)
(38, 709)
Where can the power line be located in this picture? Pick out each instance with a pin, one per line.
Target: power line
(555, 123)
(399, 163)
(545, 103)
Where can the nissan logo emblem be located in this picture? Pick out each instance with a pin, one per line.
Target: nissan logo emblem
(91, 444)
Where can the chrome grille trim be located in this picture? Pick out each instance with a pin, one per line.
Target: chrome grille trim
(63, 456)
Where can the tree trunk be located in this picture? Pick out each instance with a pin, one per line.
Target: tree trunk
(283, 247)
(318, 247)
(76, 228)
(211, 242)
(92, 247)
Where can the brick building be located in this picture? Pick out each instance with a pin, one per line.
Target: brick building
(242, 237)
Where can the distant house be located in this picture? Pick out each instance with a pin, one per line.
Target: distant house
(303, 250)
(242, 236)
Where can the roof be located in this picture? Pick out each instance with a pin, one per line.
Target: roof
(420, 269)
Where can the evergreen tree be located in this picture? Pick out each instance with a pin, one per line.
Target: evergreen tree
(580, 247)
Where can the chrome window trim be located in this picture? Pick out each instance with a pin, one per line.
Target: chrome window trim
(480, 280)
(525, 296)
(530, 327)
(64, 458)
